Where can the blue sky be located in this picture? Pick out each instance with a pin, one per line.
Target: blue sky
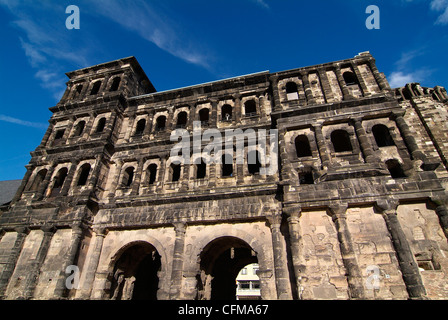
(181, 43)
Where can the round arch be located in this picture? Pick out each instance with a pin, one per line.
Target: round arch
(208, 250)
(135, 270)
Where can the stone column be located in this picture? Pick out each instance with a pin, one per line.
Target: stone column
(345, 92)
(25, 180)
(320, 140)
(36, 264)
(275, 91)
(148, 127)
(130, 129)
(408, 136)
(294, 213)
(61, 290)
(69, 179)
(46, 135)
(138, 178)
(94, 176)
(354, 275)
(364, 142)
(40, 194)
(178, 261)
(161, 173)
(362, 83)
(191, 116)
(408, 265)
(265, 277)
(280, 265)
(380, 79)
(116, 177)
(214, 113)
(288, 173)
(236, 115)
(307, 87)
(325, 83)
(92, 263)
(9, 267)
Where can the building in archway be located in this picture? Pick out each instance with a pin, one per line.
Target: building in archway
(356, 209)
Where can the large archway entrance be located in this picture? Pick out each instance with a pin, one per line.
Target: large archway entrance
(220, 262)
(134, 276)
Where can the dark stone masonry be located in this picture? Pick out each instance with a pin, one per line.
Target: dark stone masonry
(357, 209)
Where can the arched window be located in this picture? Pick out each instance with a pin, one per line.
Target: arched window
(58, 137)
(100, 126)
(152, 172)
(60, 178)
(253, 162)
(115, 84)
(350, 78)
(227, 165)
(341, 141)
(175, 172)
(141, 124)
(406, 93)
(59, 134)
(161, 123)
(40, 176)
(382, 136)
(96, 88)
(201, 170)
(395, 169)
(250, 108)
(79, 129)
(226, 112)
(84, 174)
(181, 120)
(128, 177)
(77, 91)
(204, 116)
(59, 181)
(292, 91)
(306, 176)
(302, 146)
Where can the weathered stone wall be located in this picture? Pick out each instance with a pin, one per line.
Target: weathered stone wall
(338, 221)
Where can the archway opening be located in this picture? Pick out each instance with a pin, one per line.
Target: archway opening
(134, 275)
(221, 262)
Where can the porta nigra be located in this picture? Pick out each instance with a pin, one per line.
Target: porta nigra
(356, 210)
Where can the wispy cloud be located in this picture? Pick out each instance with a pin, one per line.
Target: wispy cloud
(154, 26)
(401, 75)
(440, 6)
(25, 123)
(262, 3)
(45, 43)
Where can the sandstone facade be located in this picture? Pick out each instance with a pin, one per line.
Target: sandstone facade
(357, 209)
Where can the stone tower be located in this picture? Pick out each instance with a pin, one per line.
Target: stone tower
(356, 209)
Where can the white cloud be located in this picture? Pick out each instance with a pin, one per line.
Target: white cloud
(440, 6)
(262, 3)
(399, 79)
(45, 43)
(153, 26)
(23, 122)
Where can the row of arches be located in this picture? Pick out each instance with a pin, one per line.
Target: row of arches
(134, 272)
(292, 89)
(181, 121)
(58, 180)
(340, 140)
(79, 129)
(95, 86)
(200, 170)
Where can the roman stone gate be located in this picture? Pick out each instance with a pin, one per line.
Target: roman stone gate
(351, 204)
